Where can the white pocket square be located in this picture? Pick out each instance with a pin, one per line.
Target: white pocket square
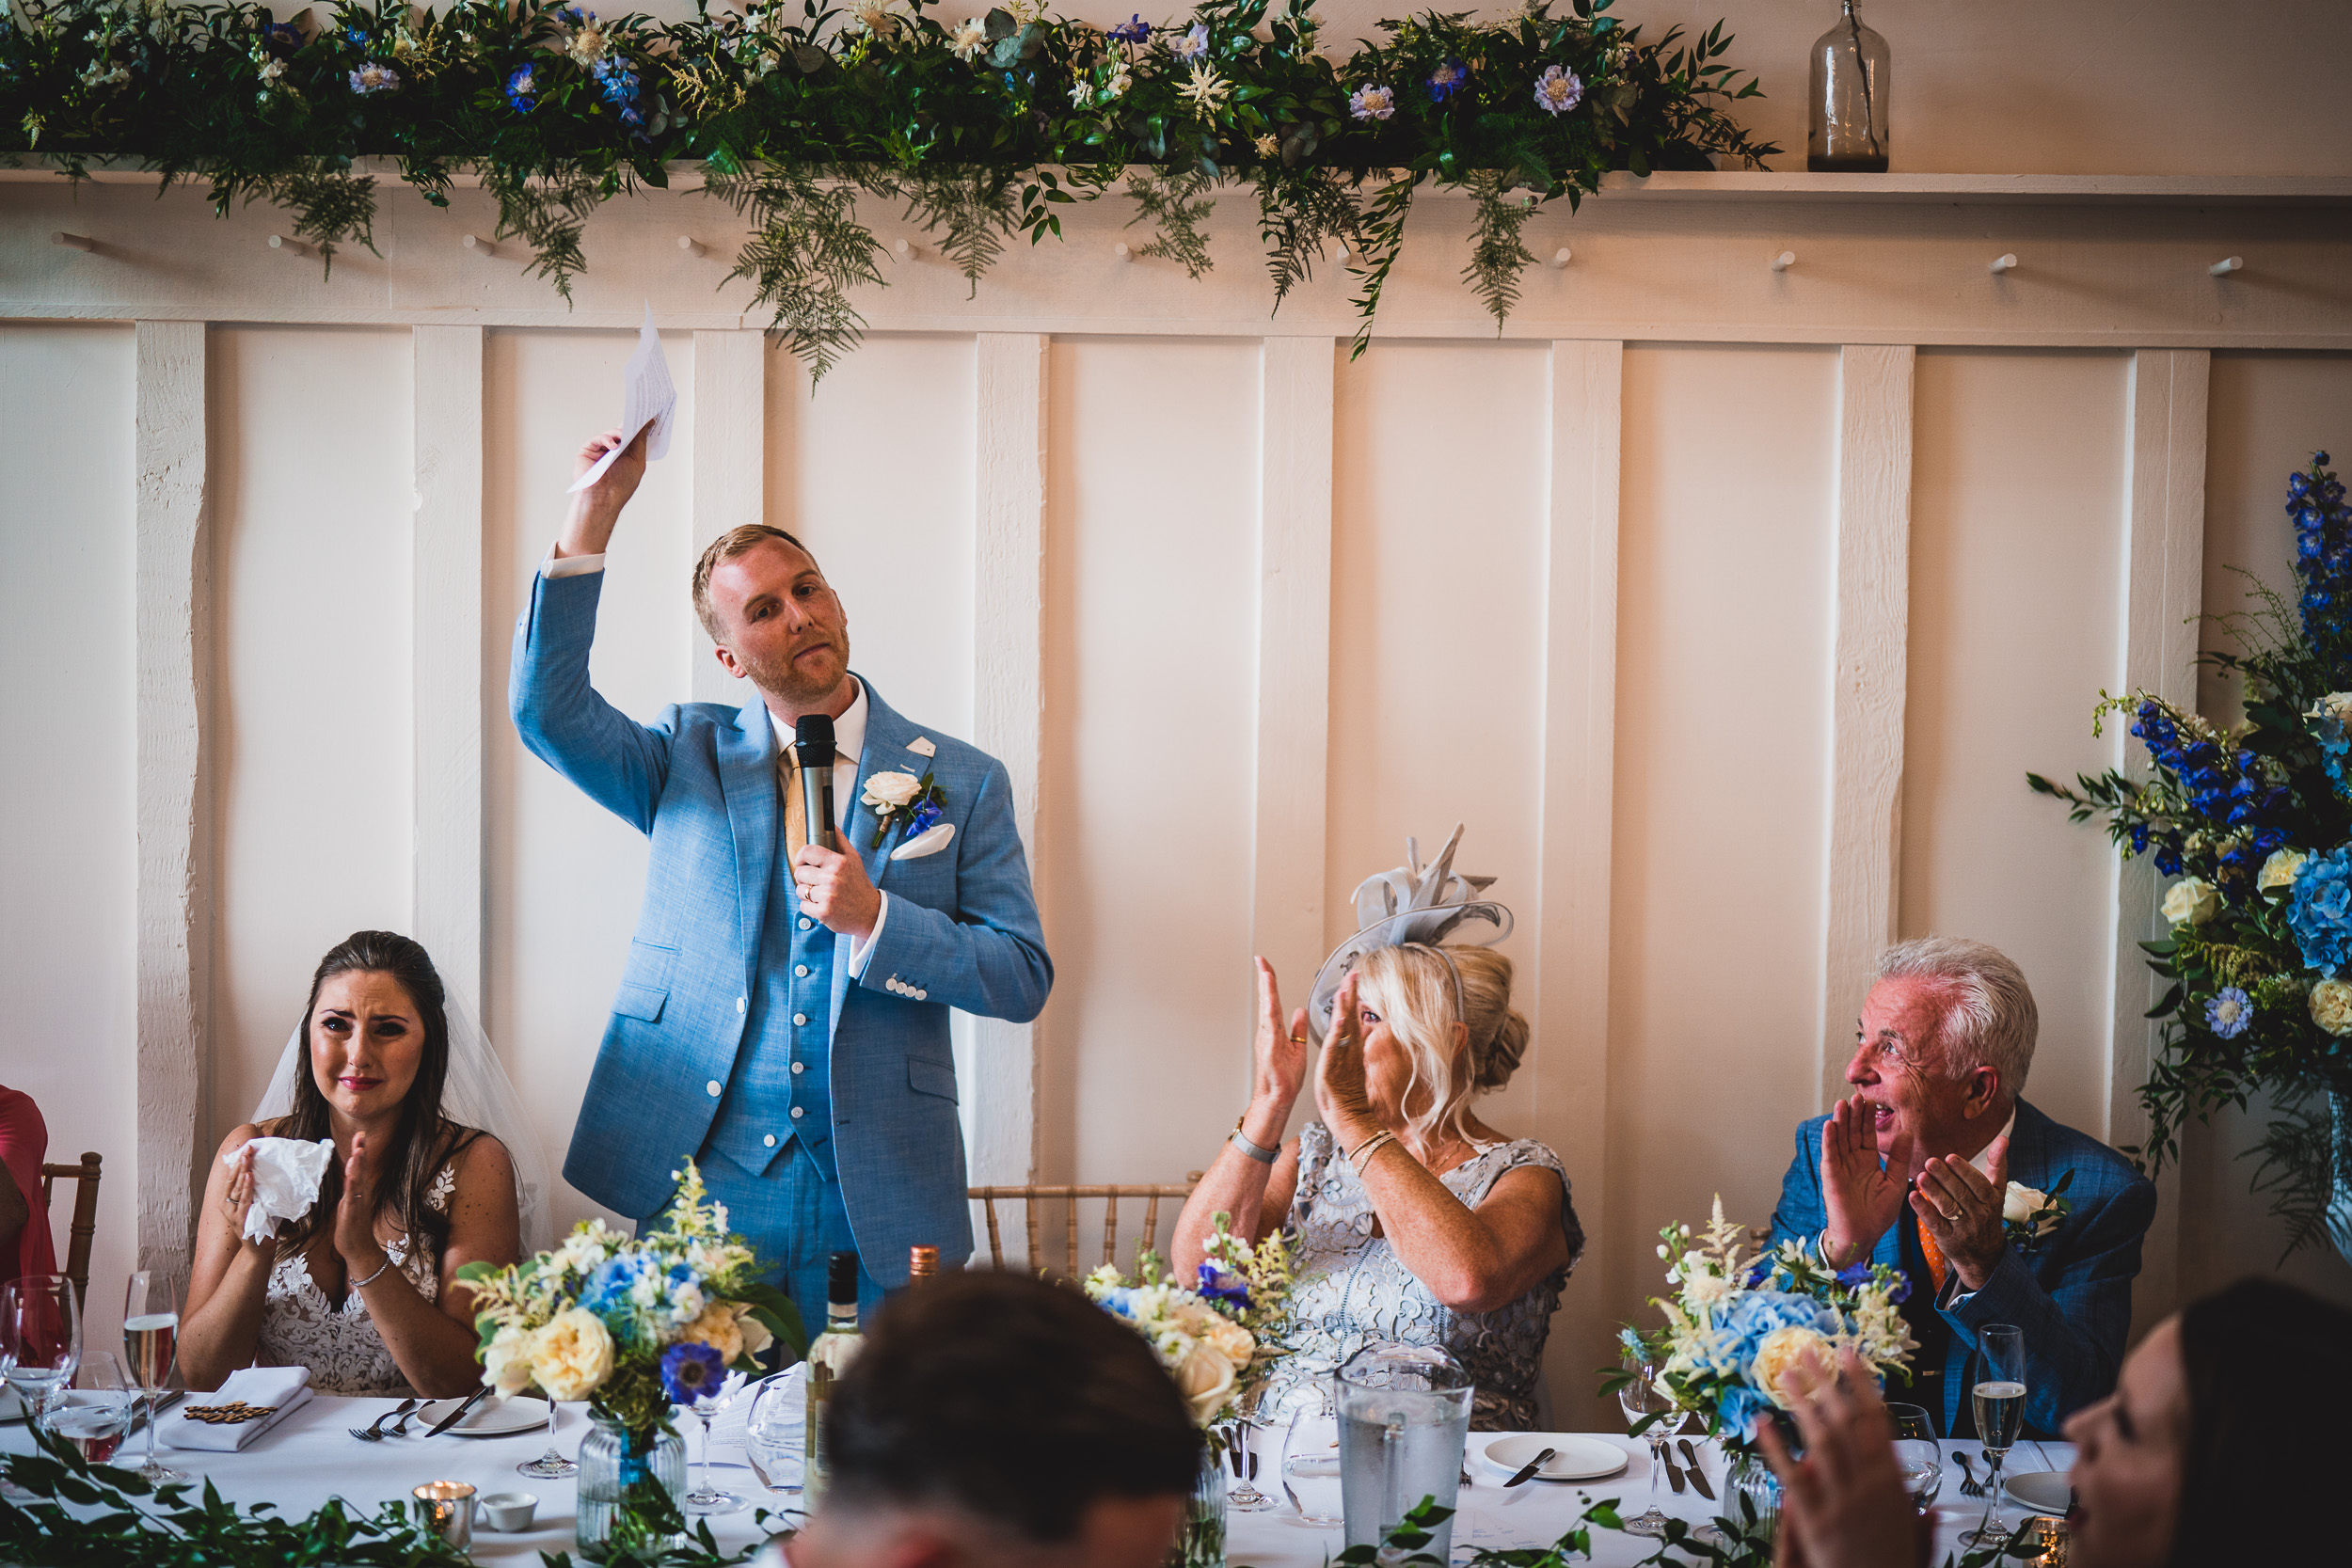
(927, 843)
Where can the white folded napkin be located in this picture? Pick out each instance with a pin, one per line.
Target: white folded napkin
(286, 1177)
(281, 1390)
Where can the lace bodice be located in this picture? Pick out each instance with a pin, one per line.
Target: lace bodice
(301, 1327)
(1351, 1289)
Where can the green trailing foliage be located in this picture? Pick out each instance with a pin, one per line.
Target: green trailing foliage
(976, 127)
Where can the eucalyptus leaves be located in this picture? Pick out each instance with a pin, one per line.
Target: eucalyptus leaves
(979, 129)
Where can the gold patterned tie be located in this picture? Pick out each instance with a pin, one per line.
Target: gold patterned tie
(795, 810)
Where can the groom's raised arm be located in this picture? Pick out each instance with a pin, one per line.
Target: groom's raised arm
(618, 763)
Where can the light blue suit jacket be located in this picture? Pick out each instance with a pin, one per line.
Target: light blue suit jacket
(701, 782)
(2073, 1296)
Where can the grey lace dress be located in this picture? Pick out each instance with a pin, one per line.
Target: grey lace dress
(1351, 1290)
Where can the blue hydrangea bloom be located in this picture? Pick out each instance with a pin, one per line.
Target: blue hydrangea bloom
(2228, 1013)
(2319, 911)
(1120, 1299)
(692, 1373)
(606, 1292)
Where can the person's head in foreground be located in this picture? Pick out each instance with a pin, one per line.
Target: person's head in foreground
(996, 1418)
(2240, 1396)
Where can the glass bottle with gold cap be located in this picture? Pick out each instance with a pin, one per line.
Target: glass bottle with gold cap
(922, 1264)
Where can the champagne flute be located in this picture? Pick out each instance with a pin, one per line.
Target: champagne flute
(551, 1466)
(1998, 1395)
(1243, 1459)
(705, 1498)
(1919, 1454)
(150, 1342)
(1643, 1395)
(40, 1340)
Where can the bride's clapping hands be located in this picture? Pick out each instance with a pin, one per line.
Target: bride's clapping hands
(355, 1214)
(238, 1200)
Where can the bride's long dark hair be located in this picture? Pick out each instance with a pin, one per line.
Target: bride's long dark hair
(413, 1154)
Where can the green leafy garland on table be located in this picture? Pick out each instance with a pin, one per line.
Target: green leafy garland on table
(981, 130)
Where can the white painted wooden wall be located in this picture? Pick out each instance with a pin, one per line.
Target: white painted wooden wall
(1732, 655)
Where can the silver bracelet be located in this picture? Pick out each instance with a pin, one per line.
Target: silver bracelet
(1361, 1157)
(1257, 1152)
(363, 1284)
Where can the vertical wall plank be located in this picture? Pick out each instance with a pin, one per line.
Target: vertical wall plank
(450, 889)
(1571, 994)
(1294, 652)
(173, 594)
(730, 478)
(1867, 663)
(2164, 565)
(1009, 694)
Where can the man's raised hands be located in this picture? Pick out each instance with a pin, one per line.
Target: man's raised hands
(1861, 1199)
(596, 508)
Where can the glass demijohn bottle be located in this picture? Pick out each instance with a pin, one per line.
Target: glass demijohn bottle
(828, 1357)
(1846, 121)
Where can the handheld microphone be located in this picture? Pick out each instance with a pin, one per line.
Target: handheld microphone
(812, 746)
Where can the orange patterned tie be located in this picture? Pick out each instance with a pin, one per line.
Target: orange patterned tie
(1937, 1267)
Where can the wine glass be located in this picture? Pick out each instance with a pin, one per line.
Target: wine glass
(1917, 1454)
(1642, 1395)
(1998, 1394)
(150, 1340)
(40, 1340)
(95, 1413)
(551, 1466)
(1311, 1462)
(1241, 1455)
(774, 1432)
(705, 1498)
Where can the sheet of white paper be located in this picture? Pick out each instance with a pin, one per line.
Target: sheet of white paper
(647, 398)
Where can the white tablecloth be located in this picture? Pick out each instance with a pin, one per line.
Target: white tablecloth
(311, 1456)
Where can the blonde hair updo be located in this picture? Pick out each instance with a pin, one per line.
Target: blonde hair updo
(1412, 988)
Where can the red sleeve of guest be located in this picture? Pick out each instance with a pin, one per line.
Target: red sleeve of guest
(24, 1143)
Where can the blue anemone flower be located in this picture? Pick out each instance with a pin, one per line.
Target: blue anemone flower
(692, 1373)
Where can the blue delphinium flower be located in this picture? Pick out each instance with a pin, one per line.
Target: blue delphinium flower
(281, 38)
(924, 817)
(1447, 80)
(692, 1373)
(1195, 44)
(2228, 1013)
(1133, 30)
(521, 90)
(2319, 911)
(1216, 1285)
(1853, 1275)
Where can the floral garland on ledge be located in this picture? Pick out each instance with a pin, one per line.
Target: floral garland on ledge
(981, 130)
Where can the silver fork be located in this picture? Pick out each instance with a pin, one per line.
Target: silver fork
(1971, 1487)
(374, 1432)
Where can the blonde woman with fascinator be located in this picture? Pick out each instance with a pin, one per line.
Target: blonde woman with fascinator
(1415, 1221)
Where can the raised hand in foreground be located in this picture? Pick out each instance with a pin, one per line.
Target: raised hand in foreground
(1843, 1504)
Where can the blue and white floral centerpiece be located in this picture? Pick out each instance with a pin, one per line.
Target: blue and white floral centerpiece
(2254, 820)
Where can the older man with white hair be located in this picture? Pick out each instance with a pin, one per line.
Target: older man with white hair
(1995, 1213)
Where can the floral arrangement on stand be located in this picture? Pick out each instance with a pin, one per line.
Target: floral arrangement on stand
(1217, 1339)
(2255, 820)
(633, 1325)
(1741, 1320)
(980, 129)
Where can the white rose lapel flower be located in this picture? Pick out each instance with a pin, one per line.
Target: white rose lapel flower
(911, 808)
(2029, 1215)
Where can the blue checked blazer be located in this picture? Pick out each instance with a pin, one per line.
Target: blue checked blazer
(2073, 1297)
(700, 781)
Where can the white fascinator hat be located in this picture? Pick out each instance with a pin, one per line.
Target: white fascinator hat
(1414, 904)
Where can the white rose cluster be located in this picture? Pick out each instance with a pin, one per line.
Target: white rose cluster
(2191, 901)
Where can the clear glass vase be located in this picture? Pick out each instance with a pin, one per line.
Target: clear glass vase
(630, 1479)
(1845, 119)
(1754, 1485)
(1200, 1544)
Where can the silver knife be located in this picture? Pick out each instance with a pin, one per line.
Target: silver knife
(1698, 1476)
(460, 1413)
(1674, 1477)
(1530, 1468)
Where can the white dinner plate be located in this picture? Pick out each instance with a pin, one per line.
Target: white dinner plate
(1578, 1459)
(11, 1408)
(492, 1418)
(2043, 1491)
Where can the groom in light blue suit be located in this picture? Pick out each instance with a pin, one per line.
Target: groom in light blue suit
(783, 1016)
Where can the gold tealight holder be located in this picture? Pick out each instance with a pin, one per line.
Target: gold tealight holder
(2046, 1540)
(446, 1509)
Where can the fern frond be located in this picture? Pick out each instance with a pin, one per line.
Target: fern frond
(1173, 204)
(807, 251)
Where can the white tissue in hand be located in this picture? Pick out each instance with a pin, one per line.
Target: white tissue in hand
(286, 1177)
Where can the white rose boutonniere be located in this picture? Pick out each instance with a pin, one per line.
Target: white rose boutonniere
(2191, 901)
(2029, 1215)
(903, 804)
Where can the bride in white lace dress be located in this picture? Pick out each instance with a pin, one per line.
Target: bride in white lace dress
(363, 1289)
(1415, 1221)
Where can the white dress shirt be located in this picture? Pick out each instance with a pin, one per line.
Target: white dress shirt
(848, 742)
